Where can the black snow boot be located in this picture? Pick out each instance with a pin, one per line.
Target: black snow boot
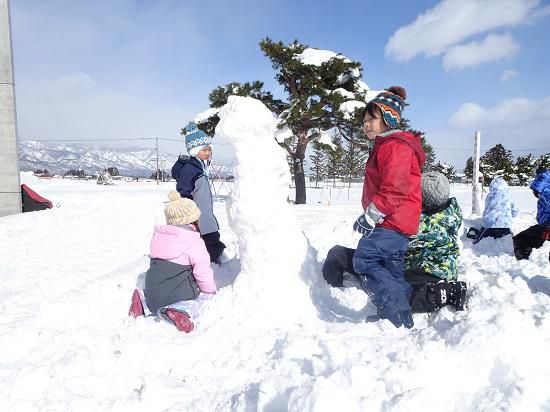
(451, 293)
(432, 296)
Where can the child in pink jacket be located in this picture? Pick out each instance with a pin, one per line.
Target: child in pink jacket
(179, 278)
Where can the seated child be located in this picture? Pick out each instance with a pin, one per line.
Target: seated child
(179, 278)
(498, 213)
(191, 175)
(535, 236)
(431, 260)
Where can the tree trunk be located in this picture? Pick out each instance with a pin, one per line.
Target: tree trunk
(300, 181)
(299, 176)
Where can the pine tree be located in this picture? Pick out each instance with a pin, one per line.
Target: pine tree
(543, 163)
(354, 159)
(448, 170)
(497, 161)
(524, 169)
(428, 149)
(315, 97)
(334, 158)
(318, 160)
(318, 98)
(469, 169)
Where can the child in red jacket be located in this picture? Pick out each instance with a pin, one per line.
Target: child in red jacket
(392, 203)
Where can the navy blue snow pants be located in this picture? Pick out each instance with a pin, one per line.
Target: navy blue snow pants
(379, 261)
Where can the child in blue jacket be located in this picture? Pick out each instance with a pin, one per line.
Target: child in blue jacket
(191, 175)
(535, 236)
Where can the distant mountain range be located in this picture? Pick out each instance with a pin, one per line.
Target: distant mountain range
(60, 158)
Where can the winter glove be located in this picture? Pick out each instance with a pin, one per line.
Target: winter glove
(367, 221)
(364, 225)
(546, 233)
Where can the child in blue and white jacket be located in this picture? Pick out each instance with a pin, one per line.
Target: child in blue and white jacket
(499, 211)
(191, 174)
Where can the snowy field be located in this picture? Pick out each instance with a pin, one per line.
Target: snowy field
(276, 337)
(67, 343)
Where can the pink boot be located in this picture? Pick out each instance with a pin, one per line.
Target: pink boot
(136, 308)
(181, 320)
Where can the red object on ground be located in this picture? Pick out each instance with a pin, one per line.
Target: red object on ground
(181, 320)
(136, 307)
(32, 201)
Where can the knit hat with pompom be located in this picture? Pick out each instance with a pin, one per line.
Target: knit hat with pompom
(180, 211)
(391, 103)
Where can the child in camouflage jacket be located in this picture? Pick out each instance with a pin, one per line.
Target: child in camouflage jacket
(431, 260)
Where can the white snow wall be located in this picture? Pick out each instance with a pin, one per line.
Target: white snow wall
(274, 252)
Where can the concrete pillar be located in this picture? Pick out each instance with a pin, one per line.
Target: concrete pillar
(477, 180)
(10, 191)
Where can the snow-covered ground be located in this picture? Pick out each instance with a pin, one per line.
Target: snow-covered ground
(275, 337)
(67, 344)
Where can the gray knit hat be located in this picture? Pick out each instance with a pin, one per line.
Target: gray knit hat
(435, 190)
(180, 211)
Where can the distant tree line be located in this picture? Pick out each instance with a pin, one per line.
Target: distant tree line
(499, 161)
(42, 172)
(163, 175)
(75, 172)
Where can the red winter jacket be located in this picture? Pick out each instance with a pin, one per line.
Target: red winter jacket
(392, 180)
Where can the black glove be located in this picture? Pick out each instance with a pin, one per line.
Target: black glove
(546, 233)
(364, 225)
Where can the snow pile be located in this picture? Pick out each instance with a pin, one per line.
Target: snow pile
(206, 114)
(349, 107)
(317, 57)
(272, 247)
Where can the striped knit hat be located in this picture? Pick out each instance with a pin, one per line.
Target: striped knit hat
(391, 102)
(195, 139)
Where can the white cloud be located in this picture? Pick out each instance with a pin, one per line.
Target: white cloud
(507, 75)
(452, 21)
(493, 48)
(518, 124)
(513, 112)
(467, 116)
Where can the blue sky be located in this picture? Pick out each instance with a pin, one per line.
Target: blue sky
(136, 68)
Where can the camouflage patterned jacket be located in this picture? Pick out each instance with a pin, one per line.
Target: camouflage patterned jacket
(434, 250)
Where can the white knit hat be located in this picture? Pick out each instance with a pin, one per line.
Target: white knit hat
(180, 211)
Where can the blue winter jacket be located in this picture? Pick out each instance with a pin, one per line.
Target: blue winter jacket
(192, 182)
(499, 208)
(542, 185)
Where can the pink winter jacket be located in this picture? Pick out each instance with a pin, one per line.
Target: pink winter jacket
(183, 245)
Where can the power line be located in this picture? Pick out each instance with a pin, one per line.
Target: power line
(512, 150)
(113, 140)
(98, 140)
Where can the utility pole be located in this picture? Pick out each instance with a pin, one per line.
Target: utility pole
(10, 189)
(157, 149)
(477, 176)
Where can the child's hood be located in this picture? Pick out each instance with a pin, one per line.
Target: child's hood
(169, 242)
(498, 184)
(541, 182)
(411, 139)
